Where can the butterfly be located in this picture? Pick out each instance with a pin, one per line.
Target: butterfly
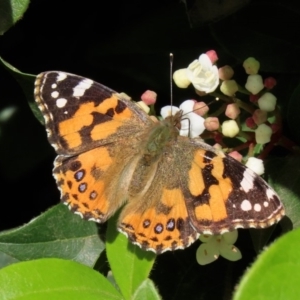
(172, 188)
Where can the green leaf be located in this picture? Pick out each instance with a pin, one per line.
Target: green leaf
(129, 264)
(26, 81)
(286, 184)
(54, 279)
(10, 12)
(146, 291)
(56, 233)
(275, 274)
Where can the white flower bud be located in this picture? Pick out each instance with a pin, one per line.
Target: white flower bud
(256, 165)
(263, 134)
(267, 102)
(254, 84)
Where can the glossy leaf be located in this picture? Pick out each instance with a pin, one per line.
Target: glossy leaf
(54, 279)
(275, 274)
(129, 264)
(56, 233)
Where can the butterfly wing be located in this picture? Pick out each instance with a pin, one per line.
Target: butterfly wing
(223, 194)
(81, 114)
(196, 189)
(156, 216)
(89, 126)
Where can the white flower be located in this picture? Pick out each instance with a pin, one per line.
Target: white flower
(254, 84)
(267, 102)
(263, 134)
(215, 245)
(203, 74)
(192, 125)
(230, 128)
(256, 165)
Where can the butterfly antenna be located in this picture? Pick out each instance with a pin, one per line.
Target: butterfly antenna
(208, 104)
(171, 82)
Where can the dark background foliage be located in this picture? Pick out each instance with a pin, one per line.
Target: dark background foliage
(125, 45)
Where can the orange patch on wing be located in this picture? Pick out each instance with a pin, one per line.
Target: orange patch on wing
(105, 129)
(225, 184)
(68, 129)
(150, 230)
(113, 102)
(199, 158)
(88, 194)
(97, 158)
(171, 197)
(196, 183)
(218, 169)
(160, 231)
(203, 212)
(217, 204)
(81, 118)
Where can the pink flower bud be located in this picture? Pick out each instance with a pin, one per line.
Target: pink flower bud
(270, 82)
(259, 116)
(253, 98)
(250, 123)
(232, 111)
(225, 72)
(212, 54)
(236, 155)
(218, 138)
(200, 108)
(275, 127)
(149, 97)
(211, 123)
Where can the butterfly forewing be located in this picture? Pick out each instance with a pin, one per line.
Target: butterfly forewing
(228, 195)
(81, 114)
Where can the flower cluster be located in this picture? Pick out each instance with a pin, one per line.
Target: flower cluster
(248, 113)
(205, 77)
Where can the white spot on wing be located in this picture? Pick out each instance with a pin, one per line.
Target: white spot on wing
(54, 85)
(266, 204)
(257, 207)
(248, 180)
(61, 102)
(246, 205)
(83, 85)
(79, 213)
(55, 94)
(270, 194)
(61, 76)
